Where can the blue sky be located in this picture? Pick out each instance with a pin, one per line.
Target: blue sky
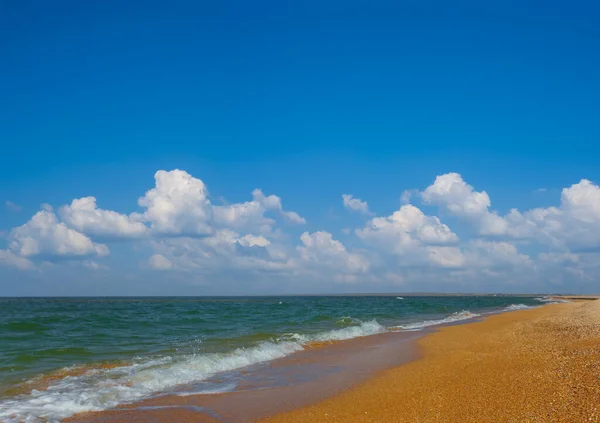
(306, 102)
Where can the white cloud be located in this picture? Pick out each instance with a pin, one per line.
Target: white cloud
(293, 217)
(273, 202)
(248, 215)
(84, 216)
(575, 224)
(177, 205)
(482, 253)
(43, 235)
(454, 195)
(188, 233)
(413, 238)
(10, 259)
(407, 195)
(567, 271)
(406, 229)
(224, 251)
(320, 249)
(319, 256)
(355, 204)
(582, 202)
(159, 262)
(253, 241)
(446, 256)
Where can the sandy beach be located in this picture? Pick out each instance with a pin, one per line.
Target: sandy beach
(536, 365)
(540, 365)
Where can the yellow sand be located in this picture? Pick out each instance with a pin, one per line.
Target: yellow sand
(540, 365)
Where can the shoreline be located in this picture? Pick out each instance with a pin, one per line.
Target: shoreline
(535, 365)
(275, 388)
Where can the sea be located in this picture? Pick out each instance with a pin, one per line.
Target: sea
(63, 356)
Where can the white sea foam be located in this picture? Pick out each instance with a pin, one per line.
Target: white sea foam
(454, 317)
(549, 300)
(514, 307)
(217, 390)
(358, 330)
(99, 389)
(399, 298)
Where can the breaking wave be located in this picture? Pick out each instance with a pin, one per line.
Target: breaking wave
(514, 307)
(550, 300)
(102, 388)
(454, 317)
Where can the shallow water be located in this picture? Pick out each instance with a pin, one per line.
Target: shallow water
(63, 356)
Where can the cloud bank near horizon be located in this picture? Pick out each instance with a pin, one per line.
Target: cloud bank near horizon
(464, 246)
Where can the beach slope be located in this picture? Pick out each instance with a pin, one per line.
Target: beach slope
(538, 365)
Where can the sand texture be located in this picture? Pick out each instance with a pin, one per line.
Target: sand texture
(540, 365)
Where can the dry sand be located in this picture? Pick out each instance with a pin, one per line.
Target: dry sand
(540, 365)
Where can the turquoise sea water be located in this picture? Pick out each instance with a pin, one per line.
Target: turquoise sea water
(61, 356)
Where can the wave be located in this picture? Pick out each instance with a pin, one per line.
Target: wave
(514, 307)
(550, 300)
(347, 320)
(454, 317)
(102, 388)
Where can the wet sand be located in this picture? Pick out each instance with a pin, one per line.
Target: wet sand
(540, 365)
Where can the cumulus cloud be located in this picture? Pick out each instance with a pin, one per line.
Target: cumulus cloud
(413, 238)
(159, 262)
(574, 224)
(84, 216)
(190, 234)
(320, 249)
(273, 202)
(253, 241)
(483, 253)
(223, 251)
(318, 256)
(458, 198)
(250, 215)
(43, 235)
(407, 228)
(582, 201)
(355, 204)
(177, 205)
(407, 195)
(10, 259)
(446, 256)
